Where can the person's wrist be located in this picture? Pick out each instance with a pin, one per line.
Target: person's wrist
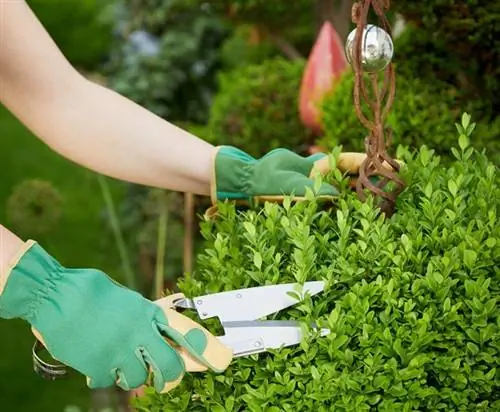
(231, 179)
(32, 274)
(11, 248)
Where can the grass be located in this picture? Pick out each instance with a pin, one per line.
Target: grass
(82, 239)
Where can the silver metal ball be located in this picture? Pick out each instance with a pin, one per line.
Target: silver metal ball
(377, 48)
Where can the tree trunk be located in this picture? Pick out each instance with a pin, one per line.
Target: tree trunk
(337, 12)
(287, 48)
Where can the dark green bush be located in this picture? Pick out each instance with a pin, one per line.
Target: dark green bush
(179, 81)
(424, 112)
(276, 14)
(78, 29)
(470, 32)
(280, 21)
(411, 301)
(256, 108)
(238, 50)
(420, 51)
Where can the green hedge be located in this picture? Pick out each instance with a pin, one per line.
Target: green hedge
(256, 108)
(424, 112)
(411, 301)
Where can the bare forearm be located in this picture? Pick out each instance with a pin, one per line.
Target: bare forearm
(99, 129)
(10, 244)
(87, 123)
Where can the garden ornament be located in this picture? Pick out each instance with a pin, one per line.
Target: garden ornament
(369, 50)
(239, 312)
(377, 48)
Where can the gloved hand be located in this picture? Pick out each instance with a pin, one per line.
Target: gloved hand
(239, 177)
(107, 332)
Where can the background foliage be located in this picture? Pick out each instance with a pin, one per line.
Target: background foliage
(173, 74)
(463, 32)
(257, 107)
(80, 29)
(423, 112)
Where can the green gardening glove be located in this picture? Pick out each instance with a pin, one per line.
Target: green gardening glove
(239, 177)
(107, 332)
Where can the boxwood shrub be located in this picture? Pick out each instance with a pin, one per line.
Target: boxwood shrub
(411, 301)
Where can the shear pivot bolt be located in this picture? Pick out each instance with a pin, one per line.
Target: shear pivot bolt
(199, 302)
(238, 295)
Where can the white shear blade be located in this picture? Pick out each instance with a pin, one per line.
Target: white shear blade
(246, 338)
(251, 303)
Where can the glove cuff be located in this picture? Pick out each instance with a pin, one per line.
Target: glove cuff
(231, 174)
(13, 263)
(29, 278)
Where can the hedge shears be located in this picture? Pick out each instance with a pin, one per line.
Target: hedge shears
(239, 312)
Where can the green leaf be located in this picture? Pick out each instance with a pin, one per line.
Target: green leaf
(418, 361)
(451, 214)
(314, 373)
(463, 142)
(491, 374)
(472, 348)
(340, 341)
(428, 190)
(250, 228)
(465, 120)
(399, 349)
(348, 356)
(447, 305)
(470, 257)
(490, 242)
(210, 385)
(318, 181)
(257, 260)
(229, 403)
(452, 187)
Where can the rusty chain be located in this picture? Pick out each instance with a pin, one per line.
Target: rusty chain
(379, 137)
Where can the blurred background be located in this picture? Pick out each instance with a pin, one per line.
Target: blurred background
(250, 74)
